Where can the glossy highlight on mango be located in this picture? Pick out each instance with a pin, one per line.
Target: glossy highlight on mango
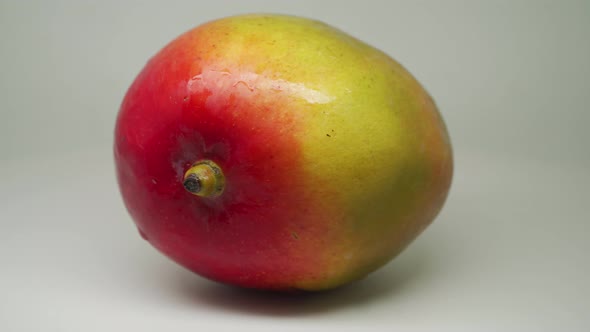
(277, 152)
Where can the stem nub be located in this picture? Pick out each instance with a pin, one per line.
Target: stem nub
(204, 179)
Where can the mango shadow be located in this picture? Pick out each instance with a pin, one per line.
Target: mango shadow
(396, 278)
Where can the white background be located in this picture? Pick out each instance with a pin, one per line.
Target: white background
(509, 252)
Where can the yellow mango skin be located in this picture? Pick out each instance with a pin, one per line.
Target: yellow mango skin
(376, 154)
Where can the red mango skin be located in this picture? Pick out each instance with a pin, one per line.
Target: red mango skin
(277, 225)
(242, 237)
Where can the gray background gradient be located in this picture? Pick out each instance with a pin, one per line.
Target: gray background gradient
(509, 252)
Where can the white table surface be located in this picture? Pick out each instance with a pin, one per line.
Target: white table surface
(509, 252)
